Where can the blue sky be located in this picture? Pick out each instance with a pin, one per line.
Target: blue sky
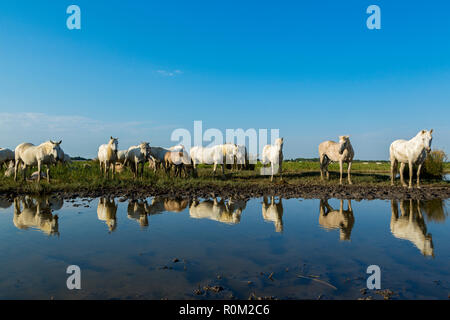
(140, 69)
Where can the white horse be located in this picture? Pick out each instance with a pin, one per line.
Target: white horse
(31, 155)
(330, 151)
(6, 155)
(273, 154)
(241, 157)
(410, 152)
(137, 155)
(219, 154)
(121, 156)
(107, 155)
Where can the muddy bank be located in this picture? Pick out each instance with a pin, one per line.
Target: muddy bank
(284, 190)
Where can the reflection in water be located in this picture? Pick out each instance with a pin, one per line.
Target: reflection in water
(273, 212)
(243, 249)
(37, 213)
(226, 212)
(434, 210)
(411, 225)
(333, 219)
(5, 203)
(106, 211)
(160, 205)
(137, 210)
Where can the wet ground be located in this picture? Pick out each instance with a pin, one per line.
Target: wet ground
(167, 248)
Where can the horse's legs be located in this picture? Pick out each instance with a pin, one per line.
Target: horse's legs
(348, 172)
(402, 167)
(340, 170)
(349, 205)
(271, 166)
(394, 164)
(48, 173)
(418, 175)
(107, 169)
(321, 158)
(16, 166)
(24, 171)
(39, 172)
(281, 169)
(410, 165)
(326, 164)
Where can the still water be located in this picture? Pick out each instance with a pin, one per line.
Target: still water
(172, 249)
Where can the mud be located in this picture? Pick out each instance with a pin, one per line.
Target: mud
(284, 190)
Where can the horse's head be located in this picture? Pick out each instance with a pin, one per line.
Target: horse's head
(343, 143)
(56, 150)
(279, 142)
(114, 143)
(145, 149)
(426, 139)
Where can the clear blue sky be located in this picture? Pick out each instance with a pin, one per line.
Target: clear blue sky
(140, 69)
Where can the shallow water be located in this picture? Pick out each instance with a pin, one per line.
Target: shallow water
(126, 250)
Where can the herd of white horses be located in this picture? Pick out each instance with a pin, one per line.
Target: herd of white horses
(27, 155)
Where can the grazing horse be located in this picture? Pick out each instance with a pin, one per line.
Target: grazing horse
(6, 155)
(106, 211)
(273, 154)
(410, 226)
(334, 219)
(137, 155)
(330, 151)
(273, 212)
(410, 152)
(31, 155)
(219, 154)
(107, 155)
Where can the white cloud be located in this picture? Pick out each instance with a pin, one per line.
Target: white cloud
(80, 135)
(169, 73)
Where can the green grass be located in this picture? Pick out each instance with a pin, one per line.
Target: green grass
(76, 177)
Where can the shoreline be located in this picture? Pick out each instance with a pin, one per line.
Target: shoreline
(285, 190)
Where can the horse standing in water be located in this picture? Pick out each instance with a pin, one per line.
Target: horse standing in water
(410, 152)
(337, 152)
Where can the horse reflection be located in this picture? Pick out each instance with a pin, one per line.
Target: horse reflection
(273, 212)
(36, 213)
(226, 212)
(161, 205)
(106, 211)
(411, 225)
(137, 210)
(331, 219)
